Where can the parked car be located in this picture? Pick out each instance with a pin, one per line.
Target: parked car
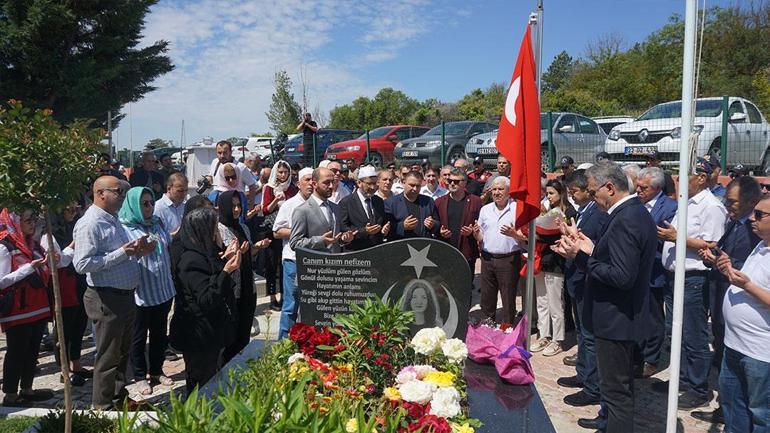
(325, 137)
(258, 145)
(428, 145)
(382, 141)
(659, 129)
(573, 135)
(609, 122)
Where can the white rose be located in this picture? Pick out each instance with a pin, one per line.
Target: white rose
(455, 350)
(417, 391)
(295, 357)
(423, 370)
(405, 376)
(445, 402)
(428, 340)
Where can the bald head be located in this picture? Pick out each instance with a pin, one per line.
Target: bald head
(109, 193)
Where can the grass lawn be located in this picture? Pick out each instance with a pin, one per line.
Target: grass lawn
(16, 424)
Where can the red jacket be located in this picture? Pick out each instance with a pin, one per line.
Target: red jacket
(30, 300)
(468, 245)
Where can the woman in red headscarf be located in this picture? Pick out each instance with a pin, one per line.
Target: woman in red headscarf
(24, 308)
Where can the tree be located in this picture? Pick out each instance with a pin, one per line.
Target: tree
(483, 105)
(388, 107)
(79, 59)
(32, 143)
(559, 72)
(157, 143)
(284, 112)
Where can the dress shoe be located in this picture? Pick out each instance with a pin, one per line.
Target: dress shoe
(690, 400)
(569, 382)
(580, 398)
(714, 417)
(37, 395)
(662, 387)
(275, 305)
(590, 423)
(570, 360)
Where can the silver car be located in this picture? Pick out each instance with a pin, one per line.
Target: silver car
(573, 135)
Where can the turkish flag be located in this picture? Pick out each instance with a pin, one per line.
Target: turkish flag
(518, 138)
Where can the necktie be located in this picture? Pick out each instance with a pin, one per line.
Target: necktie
(369, 210)
(329, 216)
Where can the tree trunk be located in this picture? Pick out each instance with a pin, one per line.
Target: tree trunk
(65, 363)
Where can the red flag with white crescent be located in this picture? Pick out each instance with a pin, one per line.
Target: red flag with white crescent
(518, 138)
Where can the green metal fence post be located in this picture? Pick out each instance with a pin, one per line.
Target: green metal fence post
(551, 147)
(367, 147)
(723, 139)
(315, 155)
(443, 145)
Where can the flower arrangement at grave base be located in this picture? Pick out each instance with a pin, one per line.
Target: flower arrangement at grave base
(363, 375)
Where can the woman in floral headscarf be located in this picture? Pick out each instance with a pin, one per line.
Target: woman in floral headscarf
(24, 308)
(155, 292)
(279, 188)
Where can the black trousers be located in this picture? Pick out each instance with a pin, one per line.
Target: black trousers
(499, 275)
(652, 348)
(273, 268)
(615, 361)
(200, 367)
(23, 346)
(247, 304)
(153, 321)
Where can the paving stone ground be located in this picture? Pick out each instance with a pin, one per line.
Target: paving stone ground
(650, 407)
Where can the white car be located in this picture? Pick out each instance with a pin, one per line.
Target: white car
(258, 145)
(659, 129)
(609, 122)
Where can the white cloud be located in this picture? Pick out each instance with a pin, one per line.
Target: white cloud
(226, 54)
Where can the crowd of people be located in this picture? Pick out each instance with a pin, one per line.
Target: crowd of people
(136, 248)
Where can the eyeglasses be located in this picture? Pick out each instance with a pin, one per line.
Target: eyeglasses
(147, 203)
(759, 214)
(593, 192)
(765, 186)
(119, 191)
(231, 178)
(457, 181)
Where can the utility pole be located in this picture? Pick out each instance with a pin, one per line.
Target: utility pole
(109, 134)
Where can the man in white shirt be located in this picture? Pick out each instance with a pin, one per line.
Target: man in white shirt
(225, 155)
(339, 190)
(170, 207)
(744, 380)
(398, 181)
(706, 217)
(282, 230)
(500, 252)
(431, 188)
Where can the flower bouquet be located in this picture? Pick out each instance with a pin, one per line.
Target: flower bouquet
(502, 346)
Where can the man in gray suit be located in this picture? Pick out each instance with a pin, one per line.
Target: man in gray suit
(316, 223)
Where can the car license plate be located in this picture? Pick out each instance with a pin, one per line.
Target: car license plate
(290, 149)
(640, 150)
(331, 157)
(487, 151)
(410, 154)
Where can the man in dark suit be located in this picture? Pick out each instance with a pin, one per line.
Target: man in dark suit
(458, 211)
(364, 212)
(650, 183)
(616, 297)
(411, 214)
(317, 223)
(739, 240)
(148, 176)
(590, 220)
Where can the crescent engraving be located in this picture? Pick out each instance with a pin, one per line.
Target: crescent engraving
(451, 322)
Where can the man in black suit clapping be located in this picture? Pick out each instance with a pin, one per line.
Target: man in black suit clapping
(364, 212)
(616, 304)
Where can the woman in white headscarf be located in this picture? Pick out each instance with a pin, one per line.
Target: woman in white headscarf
(279, 188)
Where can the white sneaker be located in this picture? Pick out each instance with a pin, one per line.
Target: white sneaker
(553, 349)
(539, 345)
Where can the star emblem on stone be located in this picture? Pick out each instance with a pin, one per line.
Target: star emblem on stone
(418, 260)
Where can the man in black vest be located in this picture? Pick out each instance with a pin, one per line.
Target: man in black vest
(741, 195)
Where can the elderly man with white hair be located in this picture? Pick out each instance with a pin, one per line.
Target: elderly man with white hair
(500, 251)
(632, 171)
(282, 230)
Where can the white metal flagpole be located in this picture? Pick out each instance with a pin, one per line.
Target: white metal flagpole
(688, 89)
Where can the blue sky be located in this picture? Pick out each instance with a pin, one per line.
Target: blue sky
(226, 52)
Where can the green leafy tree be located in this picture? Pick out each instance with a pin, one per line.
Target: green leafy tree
(33, 146)
(559, 72)
(284, 112)
(157, 143)
(483, 105)
(78, 58)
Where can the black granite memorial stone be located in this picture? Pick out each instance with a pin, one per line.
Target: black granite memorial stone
(426, 276)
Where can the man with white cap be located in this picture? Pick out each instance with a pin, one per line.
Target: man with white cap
(282, 230)
(364, 211)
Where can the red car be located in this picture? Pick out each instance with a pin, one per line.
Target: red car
(382, 140)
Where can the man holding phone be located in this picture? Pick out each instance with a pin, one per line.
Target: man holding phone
(104, 253)
(308, 127)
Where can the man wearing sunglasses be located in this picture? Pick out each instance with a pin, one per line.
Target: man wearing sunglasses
(706, 218)
(744, 379)
(104, 253)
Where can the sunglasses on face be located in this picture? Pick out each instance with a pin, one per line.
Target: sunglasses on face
(119, 191)
(457, 181)
(758, 214)
(335, 170)
(231, 178)
(765, 186)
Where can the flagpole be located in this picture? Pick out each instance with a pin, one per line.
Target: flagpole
(535, 21)
(688, 75)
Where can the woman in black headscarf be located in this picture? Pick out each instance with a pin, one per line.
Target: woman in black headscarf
(205, 317)
(233, 231)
